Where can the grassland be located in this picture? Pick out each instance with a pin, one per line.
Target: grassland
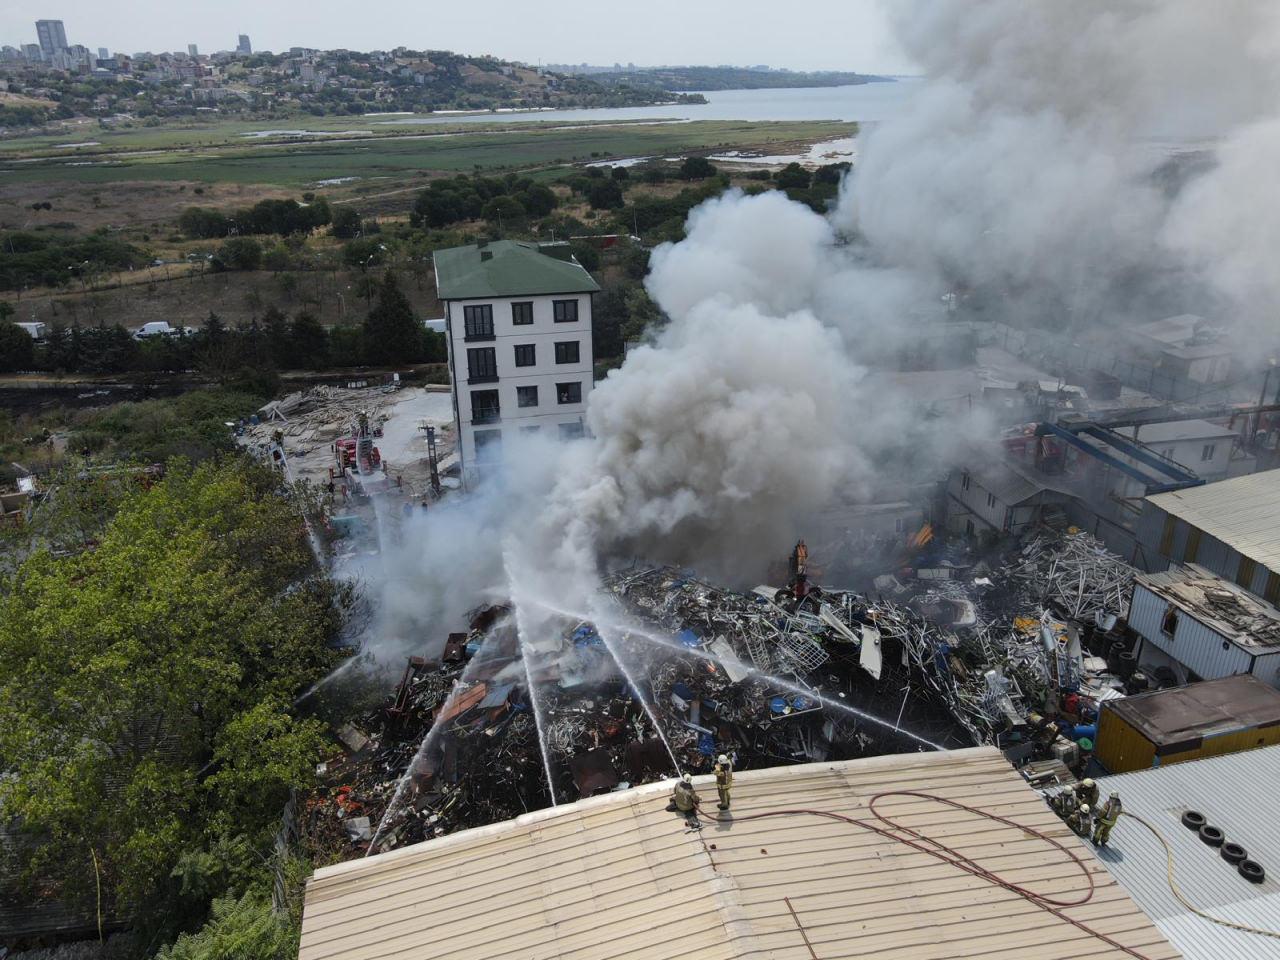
(223, 155)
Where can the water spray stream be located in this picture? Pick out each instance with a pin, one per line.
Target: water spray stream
(634, 629)
(522, 637)
(631, 681)
(333, 675)
(635, 688)
(425, 746)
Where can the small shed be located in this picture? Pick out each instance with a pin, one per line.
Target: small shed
(1204, 719)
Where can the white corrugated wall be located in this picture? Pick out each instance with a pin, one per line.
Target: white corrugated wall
(1194, 645)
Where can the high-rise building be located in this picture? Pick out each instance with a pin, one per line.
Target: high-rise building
(32, 52)
(193, 50)
(52, 36)
(104, 53)
(244, 46)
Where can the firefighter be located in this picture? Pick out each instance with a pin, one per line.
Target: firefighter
(1087, 792)
(799, 560)
(724, 780)
(1081, 822)
(1107, 818)
(685, 800)
(1067, 805)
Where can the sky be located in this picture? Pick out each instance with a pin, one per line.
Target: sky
(804, 35)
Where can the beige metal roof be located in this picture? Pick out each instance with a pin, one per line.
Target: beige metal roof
(1244, 513)
(618, 877)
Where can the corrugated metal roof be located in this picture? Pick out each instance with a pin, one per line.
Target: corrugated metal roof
(618, 877)
(1244, 513)
(1235, 792)
(506, 268)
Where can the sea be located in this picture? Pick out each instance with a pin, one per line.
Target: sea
(863, 102)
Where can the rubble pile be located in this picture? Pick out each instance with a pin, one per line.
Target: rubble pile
(1076, 575)
(675, 671)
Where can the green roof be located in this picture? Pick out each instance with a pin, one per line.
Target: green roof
(508, 268)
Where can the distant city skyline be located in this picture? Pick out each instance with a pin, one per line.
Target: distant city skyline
(812, 35)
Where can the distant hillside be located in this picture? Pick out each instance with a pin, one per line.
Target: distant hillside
(718, 78)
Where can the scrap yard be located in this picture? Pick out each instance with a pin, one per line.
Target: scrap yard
(667, 672)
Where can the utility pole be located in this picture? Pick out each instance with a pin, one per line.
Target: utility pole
(1262, 401)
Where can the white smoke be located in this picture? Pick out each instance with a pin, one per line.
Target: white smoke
(1026, 166)
(1030, 168)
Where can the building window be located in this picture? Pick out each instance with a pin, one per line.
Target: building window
(1271, 592)
(488, 444)
(899, 525)
(526, 396)
(1245, 572)
(565, 311)
(1207, 452)
(1192, 548)
(484, 406)
(964, 480)
(991, 500)
(567, 351)
(1166, 536)
(526, 354)
(478, 321)
(522, 314)
(968, 527)
(1169, 625)
(569, 392)
(571, 431)
(531, 429)
(482, 365)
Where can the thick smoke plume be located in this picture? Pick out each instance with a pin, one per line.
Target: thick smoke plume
(1043, 162)
(1083, 164)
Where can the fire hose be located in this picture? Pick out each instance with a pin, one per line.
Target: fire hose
(1173, 885)
(895, 831)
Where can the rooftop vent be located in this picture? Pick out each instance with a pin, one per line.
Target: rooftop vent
(486, 255)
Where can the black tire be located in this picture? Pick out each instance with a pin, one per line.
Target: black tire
(1212, 835)
(1252, 871)
(1233, 853)
(1193, 820)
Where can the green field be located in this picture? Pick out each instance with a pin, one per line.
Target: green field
(220, 153)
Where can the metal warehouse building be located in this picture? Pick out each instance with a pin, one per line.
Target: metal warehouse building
(1231, 528)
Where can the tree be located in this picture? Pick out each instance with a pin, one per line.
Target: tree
(310, 342)
(586, 254)
(539, 200)
(144, 683)
(346, 223)
(279, 338)
(604, 194)
(502, 211)
(364, 252)
(792, 175)
(17, 350)
(239, 253)
(620, 173)
(391, 334)
(697, 168)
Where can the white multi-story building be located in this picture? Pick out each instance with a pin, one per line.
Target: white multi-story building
(518, 320)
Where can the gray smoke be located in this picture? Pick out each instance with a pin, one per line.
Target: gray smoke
(1041, 172)
(1039, 162)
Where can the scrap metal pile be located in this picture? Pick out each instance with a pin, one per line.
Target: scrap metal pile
(674, 671)
(1075, 574)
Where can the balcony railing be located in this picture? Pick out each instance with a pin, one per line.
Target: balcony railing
(472, 337)
(482, 415)
(482, 378)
